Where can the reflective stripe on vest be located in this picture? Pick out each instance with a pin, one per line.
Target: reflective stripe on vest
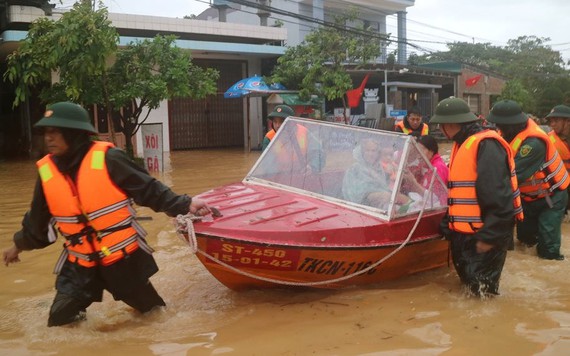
(561, 147)
(94, 215)
(551, 175)
(464, 209)
(424, 132)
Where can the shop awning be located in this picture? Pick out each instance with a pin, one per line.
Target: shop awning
(292, 100)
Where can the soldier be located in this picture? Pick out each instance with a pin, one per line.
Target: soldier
(277, 116)
(542, 178)
(84, 191)
(559, 122)
(483, 197)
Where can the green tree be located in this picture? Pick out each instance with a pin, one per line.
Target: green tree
(317, 66)
(528, 60)
(515, 90)
(81, 49)
(145, 73)
(75, 49)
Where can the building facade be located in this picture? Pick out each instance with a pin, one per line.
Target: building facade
(300, 17)
(235, 50)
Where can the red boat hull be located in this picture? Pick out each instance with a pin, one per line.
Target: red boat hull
(268, 237)
(311, 267)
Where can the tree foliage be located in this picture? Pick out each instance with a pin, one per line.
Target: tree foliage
(148, 72)
(515, 90)
(317, 66)
(81, 50)
(533, 66)
(75, 49)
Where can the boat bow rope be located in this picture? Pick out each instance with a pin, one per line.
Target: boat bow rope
(185, 225)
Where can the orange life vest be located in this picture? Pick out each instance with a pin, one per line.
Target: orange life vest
(400, 124)
(270, 134)
(561, 147)
(464, 210)
(94, 216)
(292, 150)
(551, 175)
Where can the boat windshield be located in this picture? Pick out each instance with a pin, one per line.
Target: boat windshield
(378, 171)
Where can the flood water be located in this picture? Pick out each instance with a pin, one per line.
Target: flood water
(425, 314)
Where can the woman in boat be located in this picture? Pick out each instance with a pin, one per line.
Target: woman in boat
(366, 182)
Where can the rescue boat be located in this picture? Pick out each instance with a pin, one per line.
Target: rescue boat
(303, 218)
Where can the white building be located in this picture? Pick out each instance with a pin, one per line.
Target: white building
(300, 17)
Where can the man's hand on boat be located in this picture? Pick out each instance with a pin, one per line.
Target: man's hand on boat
(199, 207)
(11, 255)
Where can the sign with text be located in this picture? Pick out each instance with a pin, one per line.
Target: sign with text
(398, 113)
(152, 147)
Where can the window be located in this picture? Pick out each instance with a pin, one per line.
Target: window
(474, 102)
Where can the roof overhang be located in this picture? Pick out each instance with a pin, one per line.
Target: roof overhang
(412, 85)
(9, 41)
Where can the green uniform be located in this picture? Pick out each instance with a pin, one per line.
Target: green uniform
(265, 143)
(542, 222)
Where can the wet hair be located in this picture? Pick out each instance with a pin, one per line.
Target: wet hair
(429, 142)
(414, 110)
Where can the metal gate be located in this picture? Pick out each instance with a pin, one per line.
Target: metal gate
(213, 121)
(425, 102)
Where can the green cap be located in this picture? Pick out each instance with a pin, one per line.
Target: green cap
(452, 111)
(507, 112)
(283, 111)
(67, 115)
(559, 111)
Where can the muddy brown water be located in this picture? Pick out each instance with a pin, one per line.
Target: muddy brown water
(424, 314)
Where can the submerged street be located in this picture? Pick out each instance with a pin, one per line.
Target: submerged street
(425, 314)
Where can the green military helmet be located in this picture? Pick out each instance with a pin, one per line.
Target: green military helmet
(507, 112)
(66, 115)
(452, 111)
(283, 111)
(561, 111)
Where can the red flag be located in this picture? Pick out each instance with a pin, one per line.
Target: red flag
(473, 80)
(354, 95)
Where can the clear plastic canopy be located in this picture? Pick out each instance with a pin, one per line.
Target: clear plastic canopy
(381, 172)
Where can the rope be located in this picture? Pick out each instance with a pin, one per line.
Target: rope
(185, 225)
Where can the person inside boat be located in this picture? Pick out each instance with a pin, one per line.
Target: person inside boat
(542, 176)
(430, 149)
(366, 182)
(428, 145)
(84, 190)
(484, 199)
